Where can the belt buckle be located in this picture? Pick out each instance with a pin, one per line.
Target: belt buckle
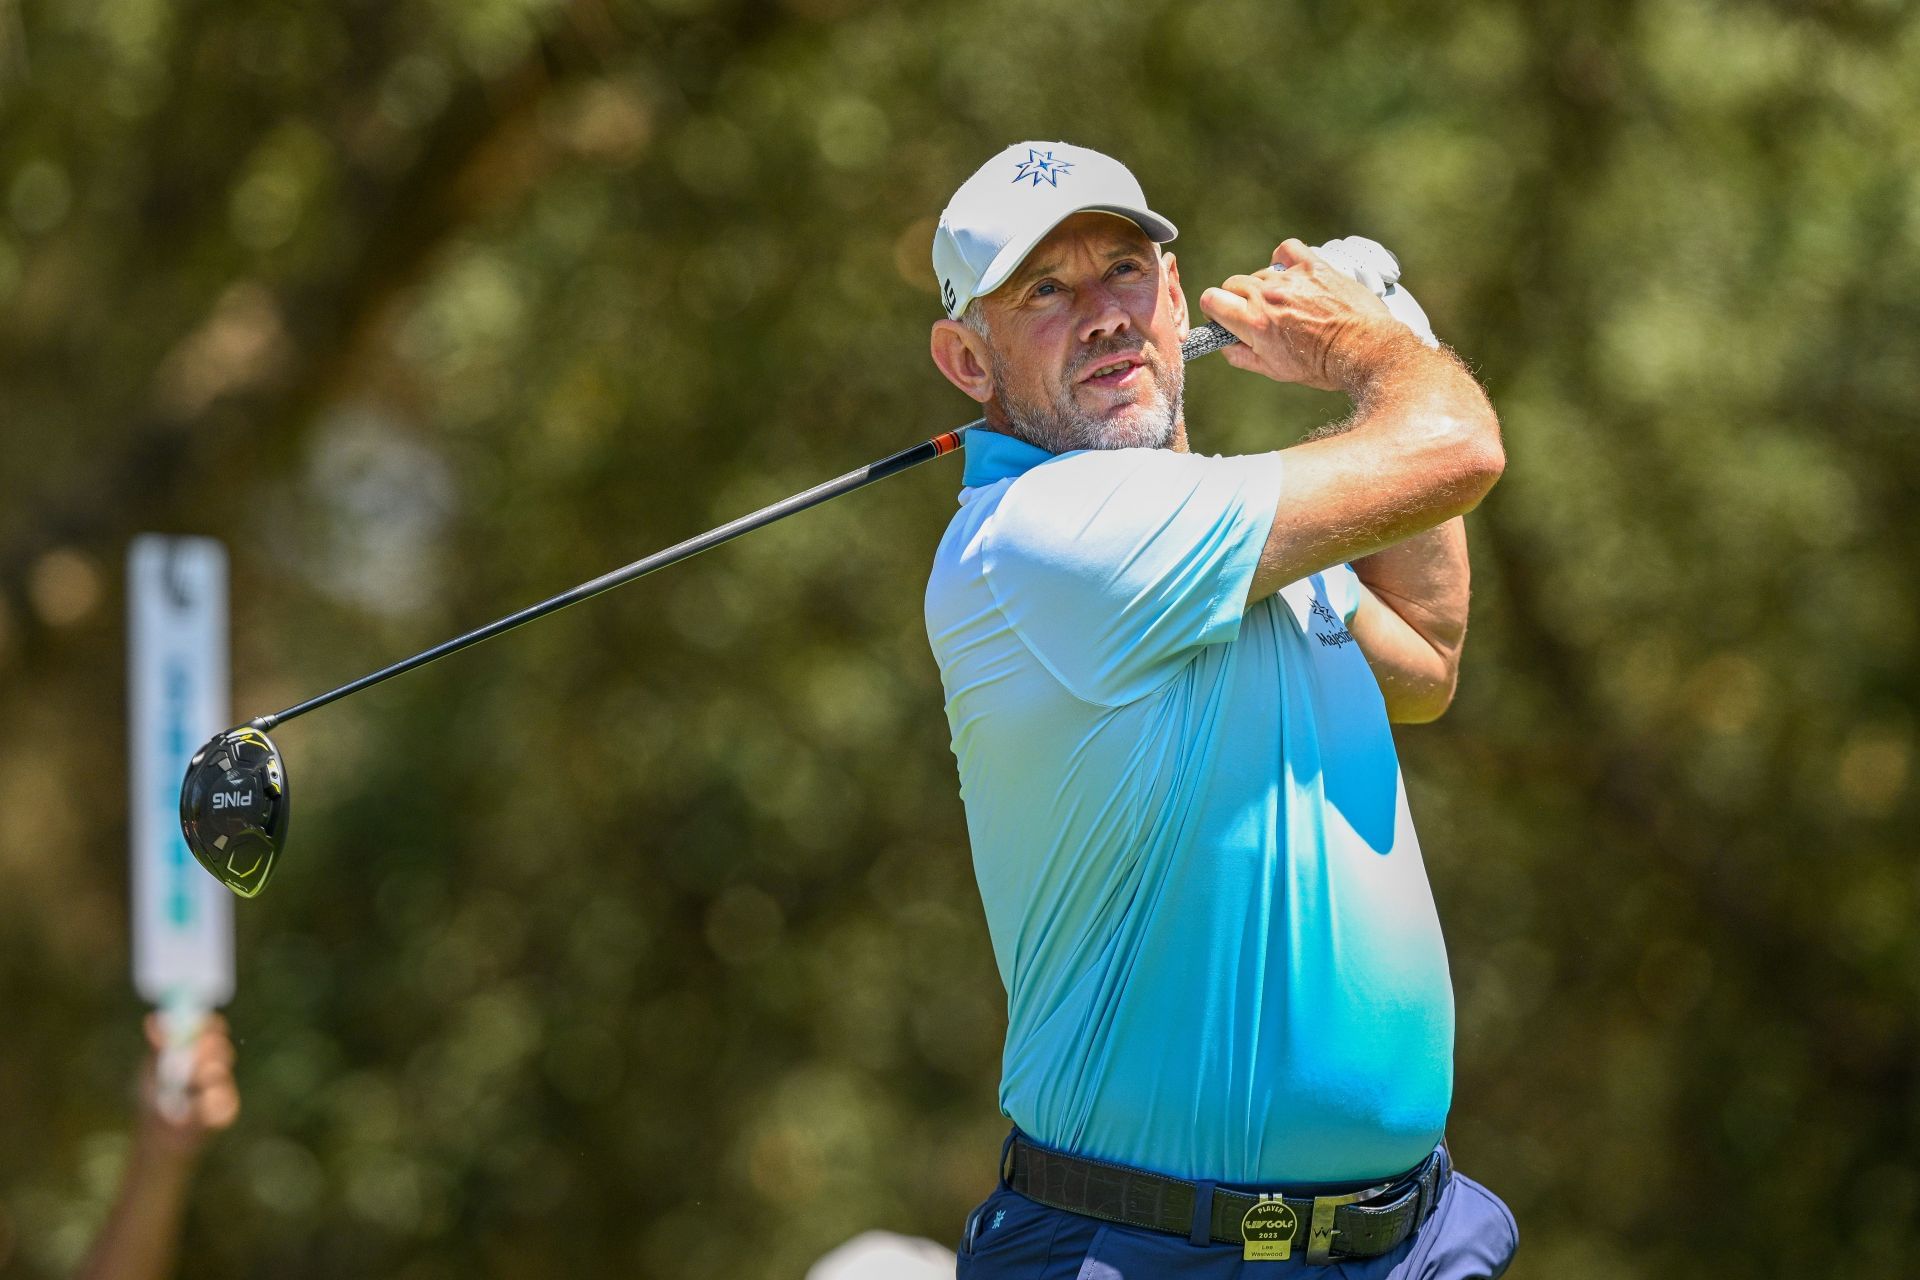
(1320, 1228)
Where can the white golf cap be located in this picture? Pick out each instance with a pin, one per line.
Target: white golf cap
(1013, 200)
(881, 1255)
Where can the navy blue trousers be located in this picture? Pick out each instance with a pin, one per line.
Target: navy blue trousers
(1470, 1236)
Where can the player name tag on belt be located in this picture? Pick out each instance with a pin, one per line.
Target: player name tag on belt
(1267, 1231)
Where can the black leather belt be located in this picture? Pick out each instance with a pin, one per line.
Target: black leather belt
(1361, 1223)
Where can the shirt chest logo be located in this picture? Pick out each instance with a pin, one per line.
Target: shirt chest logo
(1334, 633)
(1314, 616)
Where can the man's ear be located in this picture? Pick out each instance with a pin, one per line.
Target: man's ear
(962, 356)
(1176, 298)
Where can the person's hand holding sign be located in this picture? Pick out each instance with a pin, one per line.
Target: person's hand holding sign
(142, 1232)
(208, 1103)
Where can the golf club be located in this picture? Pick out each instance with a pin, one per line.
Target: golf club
(233, 801)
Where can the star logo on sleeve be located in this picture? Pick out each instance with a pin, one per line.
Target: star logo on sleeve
(1040, 166)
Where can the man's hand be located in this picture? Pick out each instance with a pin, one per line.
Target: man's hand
(211, 1102)
(1303, 320)
(1421, 447)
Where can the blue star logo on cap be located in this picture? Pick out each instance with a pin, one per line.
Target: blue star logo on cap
(1041, 166)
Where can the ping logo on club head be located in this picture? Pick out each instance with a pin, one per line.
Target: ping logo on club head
(232, 799)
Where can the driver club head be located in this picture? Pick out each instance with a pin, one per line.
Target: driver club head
(233, 808)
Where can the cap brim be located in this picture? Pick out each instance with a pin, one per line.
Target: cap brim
(1014, 252)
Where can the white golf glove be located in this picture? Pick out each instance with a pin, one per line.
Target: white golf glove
(1369, 262)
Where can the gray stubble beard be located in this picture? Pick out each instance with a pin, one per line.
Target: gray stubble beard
(1061, 426)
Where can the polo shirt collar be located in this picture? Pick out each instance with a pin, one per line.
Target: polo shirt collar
(992, 457)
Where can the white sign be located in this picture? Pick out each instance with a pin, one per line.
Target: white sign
(177, 699)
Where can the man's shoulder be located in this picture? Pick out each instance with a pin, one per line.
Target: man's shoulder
(1081, 466)
(1072, 488)
(1089, 508)
(1112, 493)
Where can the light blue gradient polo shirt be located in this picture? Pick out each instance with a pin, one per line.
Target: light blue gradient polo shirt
(1207, 902)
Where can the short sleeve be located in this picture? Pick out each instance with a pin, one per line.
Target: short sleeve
(1115, 567)
(1343, 590)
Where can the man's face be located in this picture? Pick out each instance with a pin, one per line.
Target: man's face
(1084, 340)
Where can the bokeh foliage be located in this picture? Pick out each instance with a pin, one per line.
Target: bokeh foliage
(644, 942)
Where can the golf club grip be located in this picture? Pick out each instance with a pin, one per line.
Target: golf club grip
(1204, 340)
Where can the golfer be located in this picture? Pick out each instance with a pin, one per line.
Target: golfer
(1170, 679)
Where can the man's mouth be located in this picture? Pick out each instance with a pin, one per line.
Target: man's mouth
(1116, 372)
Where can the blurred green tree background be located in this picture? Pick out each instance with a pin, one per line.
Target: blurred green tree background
(645, 942)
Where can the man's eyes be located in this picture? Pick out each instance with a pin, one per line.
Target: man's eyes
(1047, 288)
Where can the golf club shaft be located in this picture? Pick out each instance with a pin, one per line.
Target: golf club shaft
(1201, 341)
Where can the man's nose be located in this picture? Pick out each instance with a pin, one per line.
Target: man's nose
(1102, 315)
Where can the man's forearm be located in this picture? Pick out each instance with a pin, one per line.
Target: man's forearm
(1425, 580)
